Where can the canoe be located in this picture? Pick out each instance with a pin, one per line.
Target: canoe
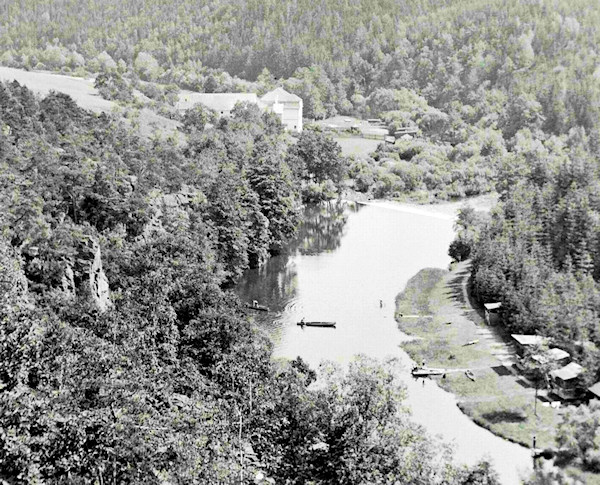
(258, 308)
(316, 324)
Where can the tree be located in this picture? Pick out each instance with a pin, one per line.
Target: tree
(229, 214)
(112, 86)
(468, 226)
(147, 66)
(579, 436)
(197, 117)
(270, 177)
(319, 155)
(482, 473)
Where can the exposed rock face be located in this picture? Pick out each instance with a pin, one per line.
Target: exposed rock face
(13, 283)
(175, 203)
(68, 282)
(98, 281)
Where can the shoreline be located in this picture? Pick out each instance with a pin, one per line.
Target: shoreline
(499, 399)
(446, 209)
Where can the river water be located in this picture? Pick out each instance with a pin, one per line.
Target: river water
(347, 265)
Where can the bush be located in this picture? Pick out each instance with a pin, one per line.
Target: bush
(459, 249)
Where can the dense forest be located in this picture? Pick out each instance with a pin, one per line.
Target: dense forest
(509, 63)
(124, 358)
(469, 75)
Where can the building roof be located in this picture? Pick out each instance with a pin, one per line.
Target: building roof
(595, 389)
(492, 306)
(552, 355)
(558, 354)
(216, 101)
(568, 372)
(528, 339)
(280, 95)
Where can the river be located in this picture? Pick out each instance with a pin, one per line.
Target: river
(347, 265)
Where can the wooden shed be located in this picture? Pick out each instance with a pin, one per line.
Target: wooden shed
(491, 312)
(566, 381)
(523, 342)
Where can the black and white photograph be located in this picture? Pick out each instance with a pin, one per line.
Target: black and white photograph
(295, 242)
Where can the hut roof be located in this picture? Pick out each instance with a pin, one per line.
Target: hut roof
(558, 354)
(568, 372)
(595, 389)
(551, 355)
(492, 306)
(528, 339)
(279, 95)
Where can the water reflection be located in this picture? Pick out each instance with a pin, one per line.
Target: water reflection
(323, 227)
(274, 284)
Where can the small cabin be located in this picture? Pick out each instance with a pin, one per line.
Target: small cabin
(566, 381)
(523, 342)
(554, 358)
(491, 312)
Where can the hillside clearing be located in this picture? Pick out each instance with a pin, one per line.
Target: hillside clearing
(85, 95)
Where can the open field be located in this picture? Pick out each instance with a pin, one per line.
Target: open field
(81, 90)
(85, 95)
(360, 147)
(499, 399)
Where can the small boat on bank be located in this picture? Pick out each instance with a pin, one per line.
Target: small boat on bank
(427, 371)
(302, 323)
(257, 307)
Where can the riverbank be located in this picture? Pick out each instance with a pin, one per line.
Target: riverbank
(483, 203)
(451, 333)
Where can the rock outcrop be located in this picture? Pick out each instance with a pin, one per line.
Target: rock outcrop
(99, 287)
(13, 283)
(175, 203)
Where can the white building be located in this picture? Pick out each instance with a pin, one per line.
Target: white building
(222, 103)
(288, 106)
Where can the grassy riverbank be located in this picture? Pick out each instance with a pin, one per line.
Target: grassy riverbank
(436, 308)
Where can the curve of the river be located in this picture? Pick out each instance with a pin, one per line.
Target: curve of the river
(345, 261)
